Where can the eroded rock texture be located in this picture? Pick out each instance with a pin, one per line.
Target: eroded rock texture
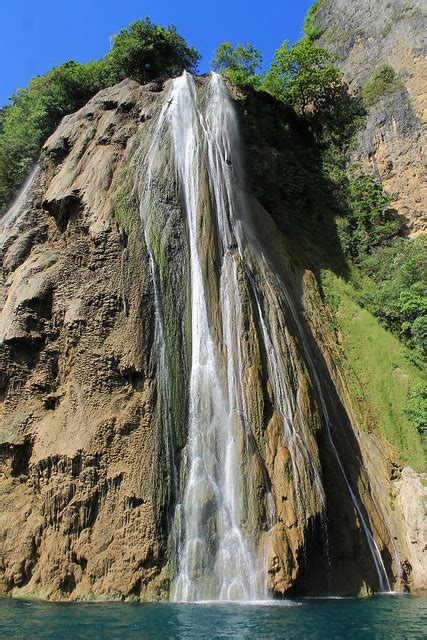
(413, 502)
(365, 34)
(78, 510)
(85, 486)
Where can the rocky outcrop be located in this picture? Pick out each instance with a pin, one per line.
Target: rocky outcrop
(366, 34)
(413, 502)
(85, 486)
(78, 511)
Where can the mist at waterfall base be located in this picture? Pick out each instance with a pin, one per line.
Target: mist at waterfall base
(376, 617)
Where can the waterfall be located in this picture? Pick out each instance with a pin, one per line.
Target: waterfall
(16, 207)
(210, 502)
(220, 555)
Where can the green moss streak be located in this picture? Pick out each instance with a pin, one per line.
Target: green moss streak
(173, 339)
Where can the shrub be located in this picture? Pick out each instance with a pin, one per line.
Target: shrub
(382, 82)
(397, 294)
(368, 224)
(416, 407)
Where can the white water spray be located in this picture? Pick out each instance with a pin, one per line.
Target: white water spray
(16, 208)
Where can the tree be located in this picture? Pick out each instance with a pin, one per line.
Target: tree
(145, 51)
(142, 51)
(239, 64)
(302, 74)
(368, 223)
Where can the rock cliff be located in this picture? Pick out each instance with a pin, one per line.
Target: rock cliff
(366, 35)
(85, 486)
(78, 505)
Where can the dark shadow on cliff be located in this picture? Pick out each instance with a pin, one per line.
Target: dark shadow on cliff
(287, 155)
(341, 563)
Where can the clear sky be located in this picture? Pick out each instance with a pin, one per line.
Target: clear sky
(38, 34)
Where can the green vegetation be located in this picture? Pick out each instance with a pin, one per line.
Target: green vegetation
(416, 407)
(239, 64)
(310, 29)
(395, 291)
(143, 51)
(381, 374)
(301, 75)
(382, 82)
(368, 223)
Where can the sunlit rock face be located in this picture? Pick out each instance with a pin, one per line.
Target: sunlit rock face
(364, 35)
(174, 419)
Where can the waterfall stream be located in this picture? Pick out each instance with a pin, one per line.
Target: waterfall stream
(16, 207)
(219, 556)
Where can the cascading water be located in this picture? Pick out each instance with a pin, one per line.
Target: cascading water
(16, 207)
(218, 549)
(210, 502)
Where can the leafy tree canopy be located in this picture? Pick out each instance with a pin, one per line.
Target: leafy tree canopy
(238, 63)
(369, 223)
(301, 74)
(398, 295)
(145, 51)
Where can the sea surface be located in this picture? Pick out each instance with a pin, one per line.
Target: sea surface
(385, 617)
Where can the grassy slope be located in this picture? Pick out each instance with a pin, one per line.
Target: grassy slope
(379, 370)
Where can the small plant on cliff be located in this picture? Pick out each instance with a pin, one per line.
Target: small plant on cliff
(239, 64)
(382, 82)
(302, 74)
(310, 29)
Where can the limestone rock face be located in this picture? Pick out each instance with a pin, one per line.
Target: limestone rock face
(85, 480)
(365, 34)
(77, 506)
(413, 501)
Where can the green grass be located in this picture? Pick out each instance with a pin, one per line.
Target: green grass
(378, 370)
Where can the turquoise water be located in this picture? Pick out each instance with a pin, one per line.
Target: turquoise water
(377, 617)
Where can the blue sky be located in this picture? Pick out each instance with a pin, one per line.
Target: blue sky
(38, 34)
